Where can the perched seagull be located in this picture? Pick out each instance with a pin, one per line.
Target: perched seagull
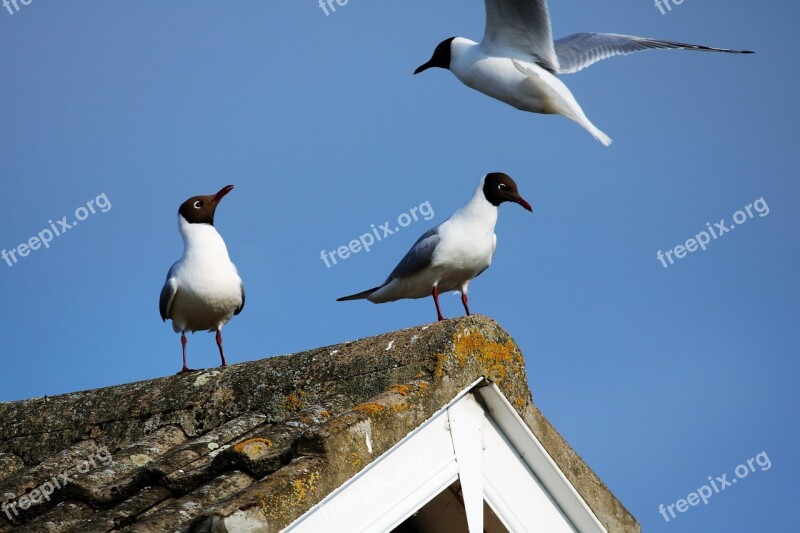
(449, 256)
(517, 61)
(203, 289)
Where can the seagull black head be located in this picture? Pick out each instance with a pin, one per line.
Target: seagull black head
(441, 57)
(499, 188)
(201, 209)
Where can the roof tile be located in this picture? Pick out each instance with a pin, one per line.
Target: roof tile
(127, 469)
(61, 518)
(34, 490)
(179, 512)
(123, 514)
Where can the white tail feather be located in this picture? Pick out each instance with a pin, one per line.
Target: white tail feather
(599, 135)
(559, 100)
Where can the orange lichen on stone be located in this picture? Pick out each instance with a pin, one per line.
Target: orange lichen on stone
(325, 414)
(299, 490)
(494, 356)
(253, 446)
(519, 402)
(294, 401)
(265, 504)
(354, 460)
(402, 406)
(369, 408)
(303, 486)
(402, 390)
(438, 372)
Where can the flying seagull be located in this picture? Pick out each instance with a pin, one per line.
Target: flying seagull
(449, 256)
(517, 62)
(203, 290)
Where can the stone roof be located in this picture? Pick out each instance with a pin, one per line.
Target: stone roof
(254, 443)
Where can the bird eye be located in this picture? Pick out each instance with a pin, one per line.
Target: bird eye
(502, 186)
(198, 204)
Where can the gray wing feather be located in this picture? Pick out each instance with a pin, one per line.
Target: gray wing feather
(168, 292)
(418, 257)
(578, 51)
(521, 25)
(239, 310)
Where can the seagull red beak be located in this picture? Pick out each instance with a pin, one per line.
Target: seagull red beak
(222, 192)
(521, 201)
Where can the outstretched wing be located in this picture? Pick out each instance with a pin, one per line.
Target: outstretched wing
(522, 26)
(168, 292)
(581, 50)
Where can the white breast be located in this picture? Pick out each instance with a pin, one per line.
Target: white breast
(496, 76)
(209, 289)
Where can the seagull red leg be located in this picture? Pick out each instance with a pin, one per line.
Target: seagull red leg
(436, 301)
(221, 352)
(464, 301)
(185, 368)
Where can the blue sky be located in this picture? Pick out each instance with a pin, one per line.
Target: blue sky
(658, 377)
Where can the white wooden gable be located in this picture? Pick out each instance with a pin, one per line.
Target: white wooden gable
(476, 452)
